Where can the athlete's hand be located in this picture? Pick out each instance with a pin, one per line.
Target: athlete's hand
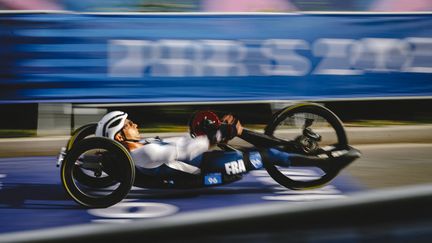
(230, 119)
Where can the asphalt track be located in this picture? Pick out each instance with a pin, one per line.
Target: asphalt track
(31, 196)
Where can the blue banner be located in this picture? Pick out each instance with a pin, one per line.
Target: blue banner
(93, 58)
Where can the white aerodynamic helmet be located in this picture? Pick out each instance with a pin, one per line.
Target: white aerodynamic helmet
(111, 124)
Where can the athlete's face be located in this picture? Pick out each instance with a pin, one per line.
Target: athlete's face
(130, 130)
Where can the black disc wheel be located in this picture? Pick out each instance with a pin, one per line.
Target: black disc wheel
(102, 155)
(88, 177)
(310, 130)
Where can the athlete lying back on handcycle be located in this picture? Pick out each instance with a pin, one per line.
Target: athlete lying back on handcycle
(186, 154)
(300, 135)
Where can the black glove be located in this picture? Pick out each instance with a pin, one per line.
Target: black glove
(219, 133)
(227, 131)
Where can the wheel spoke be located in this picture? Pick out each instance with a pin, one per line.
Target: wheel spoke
(310, 128)
(92, 188)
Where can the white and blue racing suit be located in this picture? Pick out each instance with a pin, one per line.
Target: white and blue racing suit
(191, 156)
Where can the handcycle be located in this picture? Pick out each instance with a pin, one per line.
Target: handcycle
(99, 172)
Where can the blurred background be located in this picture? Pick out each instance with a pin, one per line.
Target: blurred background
(66, 63)
(174, 117)
(217, 6)
(52, 66)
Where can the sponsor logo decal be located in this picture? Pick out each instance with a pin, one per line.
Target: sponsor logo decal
(256, 161)
(273, 57)
(213, 179)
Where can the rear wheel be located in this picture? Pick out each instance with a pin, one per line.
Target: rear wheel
(85, 176)
(98, 153)
(81, 133)
(312, 129)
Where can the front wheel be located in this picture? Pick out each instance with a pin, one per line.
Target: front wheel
(310, 129)
(103, 154)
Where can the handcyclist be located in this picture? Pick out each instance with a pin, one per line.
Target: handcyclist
(184, 154)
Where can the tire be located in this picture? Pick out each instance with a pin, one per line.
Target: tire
(91, 181)
(290, 112)
(81, 133)
(116, 162)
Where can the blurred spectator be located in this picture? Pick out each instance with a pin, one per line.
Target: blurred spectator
(402, 5)
(247, 5)
(332, 5)
(217, 5)
(131, 5)
(101, 5)
(30, 5)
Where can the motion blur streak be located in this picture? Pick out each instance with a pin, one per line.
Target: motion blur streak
(213, 57)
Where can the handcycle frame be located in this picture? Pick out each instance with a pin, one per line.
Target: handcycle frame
(119, 166)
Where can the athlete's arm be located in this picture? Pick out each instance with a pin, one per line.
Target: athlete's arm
(158, 152)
